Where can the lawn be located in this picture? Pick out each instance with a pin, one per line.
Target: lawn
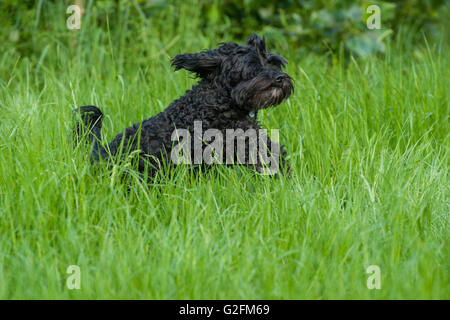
(368, 145)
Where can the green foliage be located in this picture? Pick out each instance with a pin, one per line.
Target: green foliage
(323, 25)
(314, 25)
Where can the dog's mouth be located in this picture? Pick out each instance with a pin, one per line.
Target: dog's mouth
(260, 93)
(272, 95)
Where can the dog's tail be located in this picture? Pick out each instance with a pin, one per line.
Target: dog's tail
(88, 127)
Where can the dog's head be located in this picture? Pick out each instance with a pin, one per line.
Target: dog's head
(251, 75)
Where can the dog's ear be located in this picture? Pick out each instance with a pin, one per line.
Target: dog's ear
(255, 41)
(203, 63)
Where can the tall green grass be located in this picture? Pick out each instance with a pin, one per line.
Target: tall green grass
(367, 141)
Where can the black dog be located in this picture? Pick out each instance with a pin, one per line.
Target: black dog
(235, 82)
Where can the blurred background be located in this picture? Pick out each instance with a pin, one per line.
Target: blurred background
(319, 26)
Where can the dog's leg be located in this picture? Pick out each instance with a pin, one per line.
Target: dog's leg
(272, 160)
(284, 164)
(249, 145)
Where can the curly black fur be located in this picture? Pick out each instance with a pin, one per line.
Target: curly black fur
(235, 81)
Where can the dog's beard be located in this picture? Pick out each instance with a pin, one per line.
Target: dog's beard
(261, 93)
(272, 96)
